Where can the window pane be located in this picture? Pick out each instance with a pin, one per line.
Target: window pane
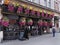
(36, 1)
(45, 2)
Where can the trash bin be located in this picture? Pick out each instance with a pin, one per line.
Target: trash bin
(21, 35)
(1, 36)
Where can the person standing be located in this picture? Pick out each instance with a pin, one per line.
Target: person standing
(26, 33)
(53, 31)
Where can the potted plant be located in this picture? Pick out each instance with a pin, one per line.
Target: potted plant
(11, 8)
(5, 21)
(40, 23)
(20, 10)
(27, 11)
(22, 21)
(30, 22)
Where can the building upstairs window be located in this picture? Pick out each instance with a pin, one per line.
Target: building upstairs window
(49, 3)
(30, 0)
(45, 2)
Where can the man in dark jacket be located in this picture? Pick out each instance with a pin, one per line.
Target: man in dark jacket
(26, 32)
(53, 31)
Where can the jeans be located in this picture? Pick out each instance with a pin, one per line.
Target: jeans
(53, 34)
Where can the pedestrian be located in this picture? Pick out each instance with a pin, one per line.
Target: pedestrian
(53, 31)
(26, 36)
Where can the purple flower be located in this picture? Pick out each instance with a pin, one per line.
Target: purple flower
(11, 8)
(27, 11)
(42, 14)
(33, 12)
(46, 15)
(38, 13)
(20, 9)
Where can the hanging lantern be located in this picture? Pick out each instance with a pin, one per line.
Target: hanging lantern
(30, 22)
(5, 21)
(22, 21)
(20, 9)
(38, 13)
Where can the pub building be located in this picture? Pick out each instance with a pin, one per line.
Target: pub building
(16, 16)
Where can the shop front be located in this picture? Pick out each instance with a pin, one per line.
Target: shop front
(18, 16)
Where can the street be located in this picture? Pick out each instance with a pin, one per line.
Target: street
(46, 39)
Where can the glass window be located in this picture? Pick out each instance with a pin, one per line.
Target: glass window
(36, 1)
(49, 3)
(30, 0)
(45, 2)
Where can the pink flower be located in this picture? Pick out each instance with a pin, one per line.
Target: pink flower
(33, 12)
(52, 15)
(46, 15)
(38, 13)
(40, 23)
(42, 14)
(27, 11)
(5, 23)
(22, 23)
(11, 8)
(20, 9)
(30, 23)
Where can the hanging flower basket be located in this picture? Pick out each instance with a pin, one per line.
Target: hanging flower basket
(40, 23)
(20, 10)
(46, 15)
(22, 21)
(5, 21)
(50, 24)
(38, 13)
(42, 14)
(30, 22)
(45, 23)
(27, 11)
(11, 8)
(33, 13)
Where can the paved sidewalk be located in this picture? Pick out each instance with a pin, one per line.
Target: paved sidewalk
(38, 40)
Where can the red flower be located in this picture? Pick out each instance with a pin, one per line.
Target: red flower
(45, 23)
(5, 23)
(52, 15)
(22, 23)
(30, 23)
(40, 23)
(50, 24)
